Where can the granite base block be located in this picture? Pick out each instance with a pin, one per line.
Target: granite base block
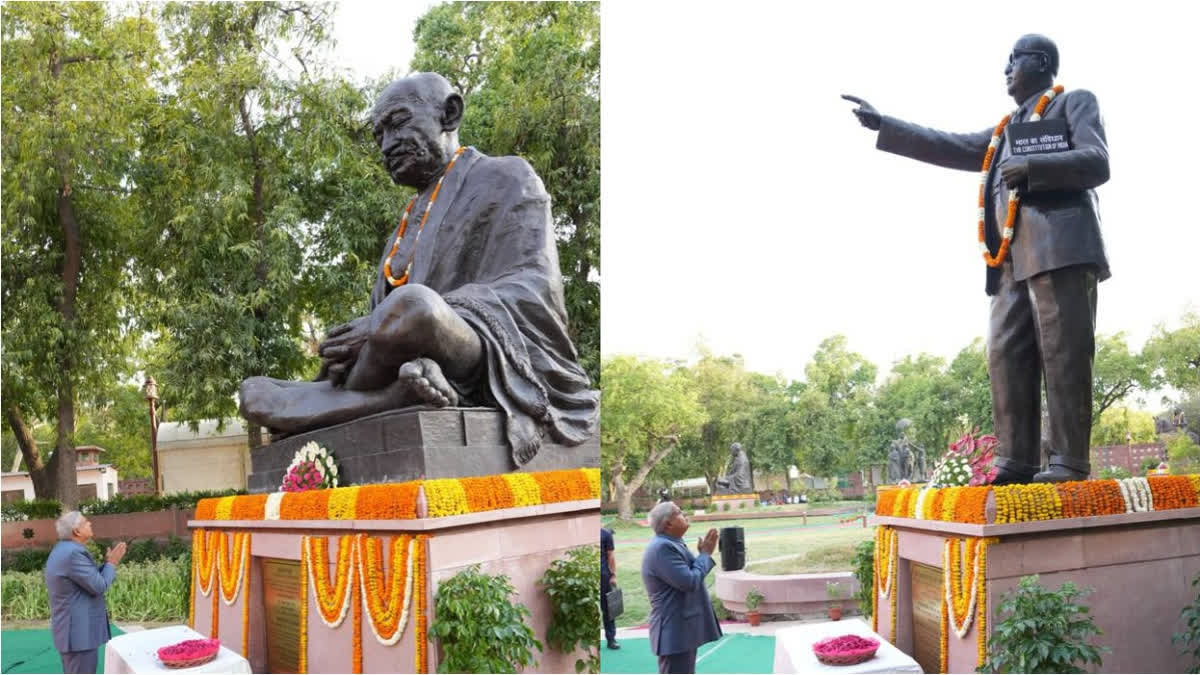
(414, 443)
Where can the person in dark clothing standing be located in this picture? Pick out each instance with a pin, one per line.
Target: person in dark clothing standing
(608, 573)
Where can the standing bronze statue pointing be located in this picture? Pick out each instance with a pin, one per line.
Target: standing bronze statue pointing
(1043, 266)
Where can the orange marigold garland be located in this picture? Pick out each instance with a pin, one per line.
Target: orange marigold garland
(487, 493)
(204, 550)
(1172, 492)
(970, 507)
(224, 508)
(231, 564)
(386, 595)
(246, 601)
(307, 505)
(885, 502)
(206, 509)
(214, 629)
(387, 263)
(302, 652)
(387, 502)
(248, 507)
(1006, 233)
(356, 657)
(422, 637)
(333, 600)
(886, 554)
(198, 535)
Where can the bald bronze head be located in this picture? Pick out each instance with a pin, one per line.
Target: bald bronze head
(415, 122)
(1032, 66)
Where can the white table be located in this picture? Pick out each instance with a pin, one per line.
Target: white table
(138, 653)
(794, 654)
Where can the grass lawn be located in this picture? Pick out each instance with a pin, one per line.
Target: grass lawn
(825, 545)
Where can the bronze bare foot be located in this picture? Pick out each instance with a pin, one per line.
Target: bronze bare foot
(427, 384)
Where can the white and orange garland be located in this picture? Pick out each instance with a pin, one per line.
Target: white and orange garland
(1013, 199)
(1137, 494)
(886, 553)
(213, 557)
(387, 263)
(383, 590)
(964, 597)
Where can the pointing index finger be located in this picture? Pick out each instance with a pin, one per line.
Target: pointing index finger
(853, 99)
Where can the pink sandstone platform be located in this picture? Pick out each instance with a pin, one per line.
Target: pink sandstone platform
(518, 542)
(1140, 566)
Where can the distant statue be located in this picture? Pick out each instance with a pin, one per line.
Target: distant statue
(737, 478)
(906, 459)
(895, 467)
(467, 307)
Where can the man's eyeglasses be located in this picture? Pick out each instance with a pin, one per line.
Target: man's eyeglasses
(1018, 53)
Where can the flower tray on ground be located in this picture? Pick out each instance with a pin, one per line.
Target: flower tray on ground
(845, 650)
(189, 653)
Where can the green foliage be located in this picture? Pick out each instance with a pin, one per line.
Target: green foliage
(834, 590)
(864, 572)
(1042, 631)
(480, 629)
(647, 406)
(31, 510)
(26, 559)
(1111, 427)
(1149, 464)
(1183, 455)
(824, 495)
(1189, 638)
(573, 584)
(530, 77)
(119, 503)
(754, 598)
(152, 591)
(1174, 355)
(719, 608)
(1116, 372)
(1114, 473)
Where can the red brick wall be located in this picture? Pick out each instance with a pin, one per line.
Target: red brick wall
(1128, 457)
(119, 526)
(136, 486)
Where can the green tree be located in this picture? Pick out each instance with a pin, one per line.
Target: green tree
(729, 398)
(1174, 355)
(972, 394)
(237, 270)
(1113, 425)
(1115, 374)
(648, 405)
(76, 87)
(919, 389)
(530, 77)
(835, 410)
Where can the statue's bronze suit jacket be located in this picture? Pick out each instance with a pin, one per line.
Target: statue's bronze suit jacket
(1058, 224)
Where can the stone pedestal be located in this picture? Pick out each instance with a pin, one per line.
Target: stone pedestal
(732, 503)
(518, 542)
(413, 443)
(1140, 566)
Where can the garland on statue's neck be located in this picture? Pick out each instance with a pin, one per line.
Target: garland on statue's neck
(1006, 233)
(387, 264)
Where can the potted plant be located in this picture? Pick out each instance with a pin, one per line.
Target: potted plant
(754, 598)
(836, 593)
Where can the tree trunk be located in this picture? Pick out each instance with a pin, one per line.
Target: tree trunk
(254, 432)
(39, 472)
(63, 462)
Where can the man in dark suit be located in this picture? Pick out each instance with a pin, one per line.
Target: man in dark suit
(608, 574)
(1044, 292)
(78, 615)
(681, 615)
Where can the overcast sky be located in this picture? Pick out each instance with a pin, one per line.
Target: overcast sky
(744, 205)
(742, 201)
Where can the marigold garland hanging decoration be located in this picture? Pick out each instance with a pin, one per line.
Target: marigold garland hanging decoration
(231, 564)
(886, 554)
(421, 581)
(386, 596)
(1006, 234)
(246, 601)
(333, 599)
(302, 651)
(204, 554)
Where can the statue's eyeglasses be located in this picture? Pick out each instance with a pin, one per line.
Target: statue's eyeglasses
(1018, 53)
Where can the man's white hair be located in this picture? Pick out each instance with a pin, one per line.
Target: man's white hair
(66, 524)
(660, 514)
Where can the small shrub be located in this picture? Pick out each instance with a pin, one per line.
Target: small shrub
(836, 593)
(754, 598)
(719, 609)
(864, 572)
(26, 560)
(573, 584)
(480, 628)
(1190, 637)
(725, 506)
(1042, 631)
(741, 505)
(1114, 473)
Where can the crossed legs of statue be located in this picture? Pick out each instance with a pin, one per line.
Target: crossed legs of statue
(1043, 327)
(405, 352)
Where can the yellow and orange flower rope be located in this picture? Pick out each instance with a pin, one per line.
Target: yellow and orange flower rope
(333, 600)
(387, 264)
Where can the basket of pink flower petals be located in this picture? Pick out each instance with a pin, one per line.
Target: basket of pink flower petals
(189, 653)
(845, 650)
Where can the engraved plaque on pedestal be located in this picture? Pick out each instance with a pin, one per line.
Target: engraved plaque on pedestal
(927, 616)
(281, 594)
